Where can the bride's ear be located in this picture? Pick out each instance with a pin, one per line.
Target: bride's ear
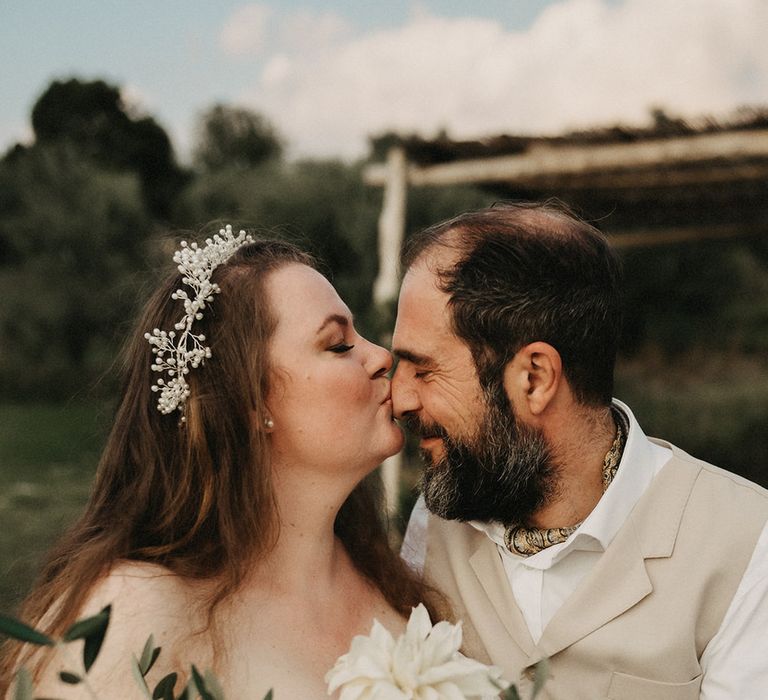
(532, 378)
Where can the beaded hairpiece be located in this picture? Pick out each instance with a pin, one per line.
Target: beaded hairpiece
(176, 353)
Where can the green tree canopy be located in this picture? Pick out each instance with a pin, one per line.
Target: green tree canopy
(92, 118)
(72, 236)
(233, 137)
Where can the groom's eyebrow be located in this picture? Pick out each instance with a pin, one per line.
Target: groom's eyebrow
(412, 357)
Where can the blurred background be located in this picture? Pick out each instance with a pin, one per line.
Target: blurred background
(122, 124)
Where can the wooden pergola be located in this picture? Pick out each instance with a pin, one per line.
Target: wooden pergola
(659, 190)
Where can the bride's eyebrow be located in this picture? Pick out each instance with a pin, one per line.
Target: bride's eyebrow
(334, 318)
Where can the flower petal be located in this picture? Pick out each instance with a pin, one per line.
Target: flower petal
(419, 624)
(470, 676)
(442, 643)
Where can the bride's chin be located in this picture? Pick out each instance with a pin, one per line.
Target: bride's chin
(395, 444)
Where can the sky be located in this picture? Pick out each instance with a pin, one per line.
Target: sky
(330, 74)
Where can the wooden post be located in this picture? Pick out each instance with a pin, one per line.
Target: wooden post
(386, 286)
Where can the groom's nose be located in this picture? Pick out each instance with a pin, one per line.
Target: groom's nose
(405, 397)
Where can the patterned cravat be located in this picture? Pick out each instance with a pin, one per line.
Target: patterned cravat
(526, 541)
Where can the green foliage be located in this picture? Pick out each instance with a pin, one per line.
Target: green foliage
(540, 676)
(204, 685)
(712, 405)
(48, 455)
(323, 206)
(24, 690)
(429, 205)
(233, 137)
(711, 294)
(93, 630)
(72, 237)
(91, 118)
(18, 630)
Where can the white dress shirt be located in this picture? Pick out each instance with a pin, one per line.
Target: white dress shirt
(735, 662)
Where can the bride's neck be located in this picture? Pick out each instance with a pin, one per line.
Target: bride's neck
(307, 552)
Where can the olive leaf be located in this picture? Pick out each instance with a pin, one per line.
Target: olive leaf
(89, 626)
(268, 696)
(94, 641)
(200, 684)
(540, 677)
(23, 690)
(149, 655)
(18, 630)
(510, 694)
(213, 685)
(138, 676)
(164, 689)
(70, 678)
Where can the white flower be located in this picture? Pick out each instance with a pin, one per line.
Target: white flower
(422, 664)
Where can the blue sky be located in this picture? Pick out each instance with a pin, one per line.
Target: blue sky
(329, 73)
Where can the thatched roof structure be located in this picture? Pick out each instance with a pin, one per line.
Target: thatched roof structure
(672, 181)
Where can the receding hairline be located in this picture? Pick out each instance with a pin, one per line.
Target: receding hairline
(465, 232)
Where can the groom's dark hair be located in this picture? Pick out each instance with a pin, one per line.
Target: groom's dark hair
(528, 272)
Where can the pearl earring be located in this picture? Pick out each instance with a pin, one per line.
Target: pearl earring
(269, 423)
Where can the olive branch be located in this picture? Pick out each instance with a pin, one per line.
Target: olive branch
(92, 631)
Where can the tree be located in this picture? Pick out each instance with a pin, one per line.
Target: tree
(91, 118)
(233, 137)
(72, 237)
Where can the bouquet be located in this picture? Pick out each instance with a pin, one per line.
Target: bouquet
(422, 664)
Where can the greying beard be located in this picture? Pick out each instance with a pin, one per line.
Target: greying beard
(502, 473)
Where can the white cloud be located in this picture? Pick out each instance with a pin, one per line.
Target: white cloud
(15, 132)
(245, 32)
(307, 31)
(582, 63)
(135, 99)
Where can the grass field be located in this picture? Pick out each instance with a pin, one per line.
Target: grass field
(47, 458)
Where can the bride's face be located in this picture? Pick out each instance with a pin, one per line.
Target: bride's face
(330, 398)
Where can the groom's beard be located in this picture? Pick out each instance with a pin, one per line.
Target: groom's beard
(503, 473)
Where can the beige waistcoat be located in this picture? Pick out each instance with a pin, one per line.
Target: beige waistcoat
(636, 626)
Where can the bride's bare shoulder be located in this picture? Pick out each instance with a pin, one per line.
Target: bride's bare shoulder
(145, 599)
(139, 586)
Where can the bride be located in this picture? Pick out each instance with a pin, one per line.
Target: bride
(230, 516)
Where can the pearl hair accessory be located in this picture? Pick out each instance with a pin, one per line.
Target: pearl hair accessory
(269, 423)
(176, 354)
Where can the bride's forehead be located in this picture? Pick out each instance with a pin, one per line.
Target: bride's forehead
(301, 292)
(296, 281)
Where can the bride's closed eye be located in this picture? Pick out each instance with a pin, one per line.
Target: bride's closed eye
(341, 348)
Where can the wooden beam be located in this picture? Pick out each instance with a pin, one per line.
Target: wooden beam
(660, 177)
(543, 160)
(644, 238)
(387, 283)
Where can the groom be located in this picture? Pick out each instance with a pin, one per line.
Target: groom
(555, 527)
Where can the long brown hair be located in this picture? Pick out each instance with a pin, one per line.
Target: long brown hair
(196, 497)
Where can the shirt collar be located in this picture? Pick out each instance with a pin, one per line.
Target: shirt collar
(640, 462)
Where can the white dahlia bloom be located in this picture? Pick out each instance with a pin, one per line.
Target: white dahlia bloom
(422, 664)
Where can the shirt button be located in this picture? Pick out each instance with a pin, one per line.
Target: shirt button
(530, 673)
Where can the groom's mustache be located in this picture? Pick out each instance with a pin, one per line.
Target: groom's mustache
(413, 424)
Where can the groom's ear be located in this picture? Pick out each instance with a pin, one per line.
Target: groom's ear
(532, 379)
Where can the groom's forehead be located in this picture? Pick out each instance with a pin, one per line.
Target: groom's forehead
(423, 332)
(422, 303)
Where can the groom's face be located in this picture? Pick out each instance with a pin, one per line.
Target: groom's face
(481, 463)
